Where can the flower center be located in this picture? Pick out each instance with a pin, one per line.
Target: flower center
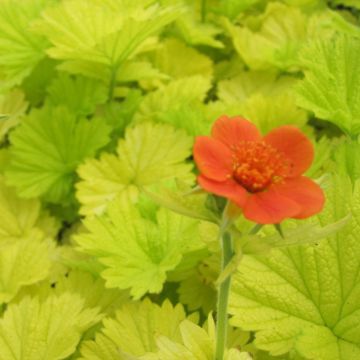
(257, 165)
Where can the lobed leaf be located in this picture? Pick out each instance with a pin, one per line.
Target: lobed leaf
(136, 251)
(331, 88)
(293, 294)
(50, 329)
(46, 150)
(149, 154)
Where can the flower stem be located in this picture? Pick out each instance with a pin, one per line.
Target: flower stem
(223, 297)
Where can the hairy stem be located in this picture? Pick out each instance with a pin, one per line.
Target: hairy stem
(223, 297)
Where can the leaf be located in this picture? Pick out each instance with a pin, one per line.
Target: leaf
(194, 32)
(248, 83)
(22, 263)
(196, 344)
(178, 103)
(262, 96)
(36, 84)
(136, 251)
(92, 291)
(172, 58)
(47, 148)
(139, 71)
(12, 106)
(306, 234)
(79, 94)
(21, 218)
(331, 88)
(20, 49)
(187, 116)
(103, 35)
(134, 330)
(119, 114)
(275, 39)
(306, 298)
(347, 161)
(50, 329)
(197, 291)
(183, 202)
(233, 8)
(161, 153)
(187, 90)
(322, 160)
(101, 181)
(150, 154)
(270, 112)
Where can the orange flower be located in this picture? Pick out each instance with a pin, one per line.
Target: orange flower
(261, 175)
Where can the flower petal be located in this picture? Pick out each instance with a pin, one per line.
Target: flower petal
(305, 192)
(213, 159)
(232, 130)
(270, 207)
(228, 189)
(294, 145)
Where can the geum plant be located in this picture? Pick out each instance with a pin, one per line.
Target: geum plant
(111, 240)
(261, 178)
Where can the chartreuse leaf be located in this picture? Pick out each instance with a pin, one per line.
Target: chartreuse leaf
(49, 329)
(270, 112)
(262, 96)
(139, 71)
(198, 290)
(184, 201)
(22, 263)
(149, 154)
(133, 331)
(196, 344)
(273, 39)
(191, 29)
(178, 103)
(20, 49)
(347, 159)
(306, 298)
(239, 88)
(36, 84)
(70, 258)
(79, 94)
(47, 148)
(136, 251)
(12, 107)
(328, 89)
(22, 218)
(232, 8)
(322, 162)
(188, 90)
(92, 290)
(101, 181)
(103, 34)
(172, 58)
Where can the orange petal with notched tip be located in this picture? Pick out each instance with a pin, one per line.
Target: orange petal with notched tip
(231, 131)
(305, 192)
(296, 147)
(228, 189)
(269, 207)
(213, 158)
